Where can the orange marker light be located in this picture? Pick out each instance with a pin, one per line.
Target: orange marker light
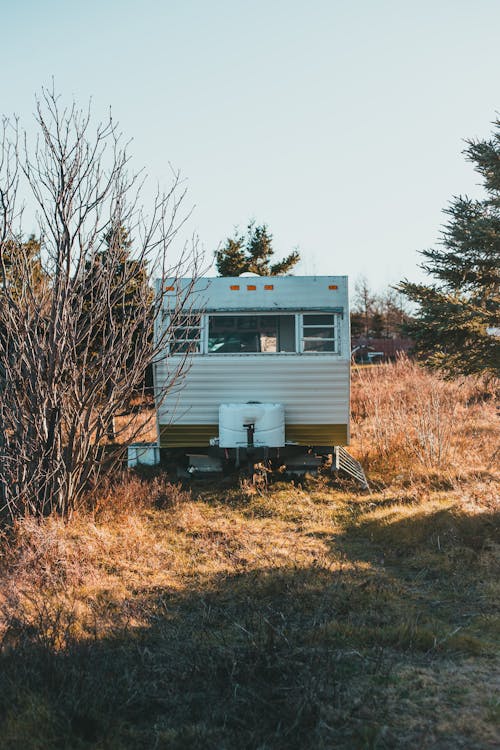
(269, 286)
(251, 287)
(170, 288)
(333, 286)
(234, 287)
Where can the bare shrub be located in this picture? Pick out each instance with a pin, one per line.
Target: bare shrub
(73, 349)
(130, 493)
(45, 551)
(31, 616)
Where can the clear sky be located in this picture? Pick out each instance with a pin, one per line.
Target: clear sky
(338, 123)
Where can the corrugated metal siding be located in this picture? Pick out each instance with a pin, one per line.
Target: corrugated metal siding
(313, 389)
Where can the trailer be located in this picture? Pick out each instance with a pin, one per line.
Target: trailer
(269, 369)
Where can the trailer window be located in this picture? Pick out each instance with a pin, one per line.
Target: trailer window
(185, 336)
(319, 333)
(240, 334)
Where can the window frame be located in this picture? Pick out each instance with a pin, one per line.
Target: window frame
(204, 322)
(172, 342)
(247, 314)
(335, 326)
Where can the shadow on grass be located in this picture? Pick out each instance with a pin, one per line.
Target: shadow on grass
(448, 531)
(438, 569)
(269, 659)
(266, 659)
(239, 664)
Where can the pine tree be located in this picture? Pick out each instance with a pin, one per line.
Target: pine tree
(116, 261)
(231, 259)
(456, 325)
(21, 262)
(357, 324)
(252, 254)
(377, 325)
(16, 256)
(114, 268)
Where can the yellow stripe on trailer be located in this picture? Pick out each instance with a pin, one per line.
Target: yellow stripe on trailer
(199, 435)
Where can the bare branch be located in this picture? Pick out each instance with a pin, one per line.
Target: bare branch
(74, 348)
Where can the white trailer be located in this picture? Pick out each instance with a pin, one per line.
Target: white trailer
(269, 365)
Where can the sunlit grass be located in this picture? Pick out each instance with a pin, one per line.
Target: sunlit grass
(226, 616)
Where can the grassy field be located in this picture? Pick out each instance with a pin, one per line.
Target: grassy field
(226, 616)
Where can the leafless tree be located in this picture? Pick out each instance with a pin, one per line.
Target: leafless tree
(72, 351)
(386, 310)
(364, 301)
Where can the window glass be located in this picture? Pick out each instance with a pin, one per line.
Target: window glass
(318, 333)
(252, 334)
(247, 323)
(318, 320)
(185, 337)
(233, 343)
(319, 345)
(240, 334)
(222, 323)
(314, 332)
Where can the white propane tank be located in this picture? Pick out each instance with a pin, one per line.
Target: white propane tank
(268, 421)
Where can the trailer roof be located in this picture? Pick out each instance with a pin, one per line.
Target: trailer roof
(231, 293)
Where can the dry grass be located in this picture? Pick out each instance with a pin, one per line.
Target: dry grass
(410, 424)
(137, 426)
(298, 617)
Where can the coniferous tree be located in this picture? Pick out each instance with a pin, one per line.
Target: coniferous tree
(125, 273)
(377, 325)
(231, 259)
(17, 255)
(252, 254)
(357, 324)
(457, 322)
(114, 268)
(19, 260)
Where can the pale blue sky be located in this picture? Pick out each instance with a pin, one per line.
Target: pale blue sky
(339, 124)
